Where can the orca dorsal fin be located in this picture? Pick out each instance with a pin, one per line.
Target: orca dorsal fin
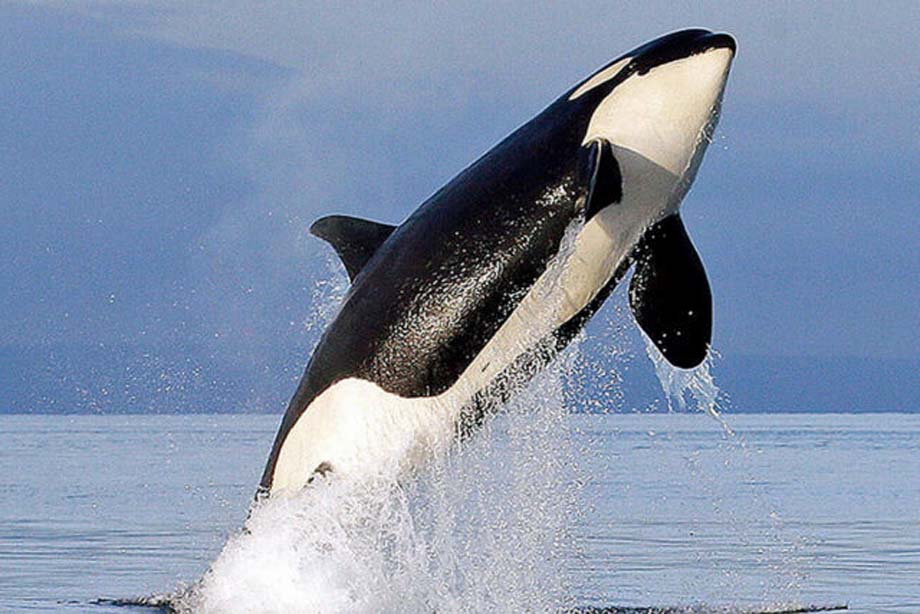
(354, 240)
(669, 294)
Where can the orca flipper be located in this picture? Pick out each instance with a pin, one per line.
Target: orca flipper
(602, 172)
(354, 240)
(669, 294)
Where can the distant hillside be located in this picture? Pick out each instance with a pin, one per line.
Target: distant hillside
(803, 384)
(101, 379)
(119, 379)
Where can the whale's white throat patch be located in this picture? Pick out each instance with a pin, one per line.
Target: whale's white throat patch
(661, 114)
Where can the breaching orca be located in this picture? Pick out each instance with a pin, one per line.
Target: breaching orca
(451, 310)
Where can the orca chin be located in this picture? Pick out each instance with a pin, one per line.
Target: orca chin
(450, 311)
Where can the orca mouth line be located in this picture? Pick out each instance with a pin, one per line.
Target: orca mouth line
(717, 40)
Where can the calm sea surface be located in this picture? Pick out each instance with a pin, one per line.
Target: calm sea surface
(793, 509)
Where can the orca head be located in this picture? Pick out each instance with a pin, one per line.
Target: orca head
(656, 107)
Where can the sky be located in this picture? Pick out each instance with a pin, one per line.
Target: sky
(162, 161)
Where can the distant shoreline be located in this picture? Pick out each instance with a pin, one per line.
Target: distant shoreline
(132, 380)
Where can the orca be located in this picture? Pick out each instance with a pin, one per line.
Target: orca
(451, 311)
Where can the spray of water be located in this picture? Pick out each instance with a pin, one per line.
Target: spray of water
(484, 530)
(698, 384)
(487, 527)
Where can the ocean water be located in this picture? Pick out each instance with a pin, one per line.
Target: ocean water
(543, 510)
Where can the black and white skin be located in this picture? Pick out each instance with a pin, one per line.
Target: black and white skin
(449, 312)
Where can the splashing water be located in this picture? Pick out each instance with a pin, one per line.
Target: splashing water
(487, 527)
(321, 551)
(697, 383)
(484, 530)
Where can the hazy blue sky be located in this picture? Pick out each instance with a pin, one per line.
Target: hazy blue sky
(161, 164)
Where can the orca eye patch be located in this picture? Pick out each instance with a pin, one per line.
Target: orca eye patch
(600, 77)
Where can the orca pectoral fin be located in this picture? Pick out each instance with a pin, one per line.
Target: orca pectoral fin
(669, 294)
(354, 240)
(601, 171)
